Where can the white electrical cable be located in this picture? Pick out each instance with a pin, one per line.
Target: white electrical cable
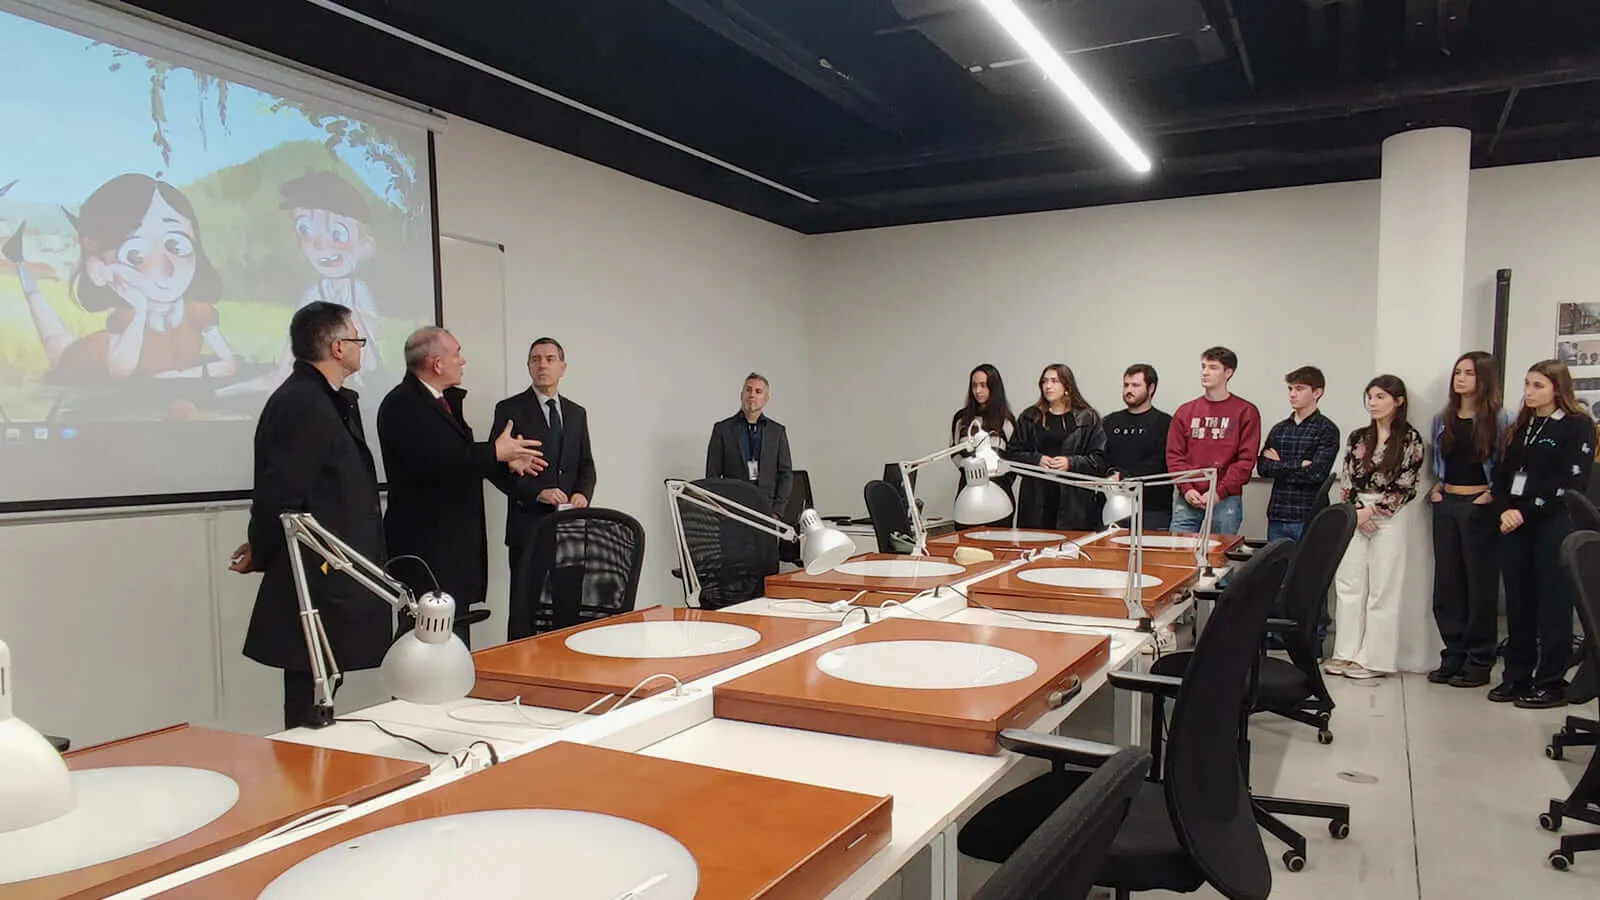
(313, 816)
(515, 703)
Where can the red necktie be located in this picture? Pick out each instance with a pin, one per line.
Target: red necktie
(447, 410)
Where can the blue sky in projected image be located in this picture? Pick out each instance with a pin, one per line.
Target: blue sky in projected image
(69, 123)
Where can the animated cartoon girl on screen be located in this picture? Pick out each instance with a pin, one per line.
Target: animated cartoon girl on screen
(142, 259)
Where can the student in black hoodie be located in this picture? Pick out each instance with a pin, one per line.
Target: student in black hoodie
(1549, 452)
(1136, 442)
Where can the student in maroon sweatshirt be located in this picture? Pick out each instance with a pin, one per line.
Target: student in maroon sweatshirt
(1216, 430)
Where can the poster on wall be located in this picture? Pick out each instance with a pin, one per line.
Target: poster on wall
(1578, 345)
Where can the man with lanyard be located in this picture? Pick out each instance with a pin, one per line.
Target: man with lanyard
(751, 447)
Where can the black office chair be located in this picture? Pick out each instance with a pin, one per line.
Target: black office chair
(1580, 560)
(800, 500)
(731, 559)
(886, 506)
(1061, 858)
(582, 565)
(1196, 825)
(1580, 731)
(1294, 688)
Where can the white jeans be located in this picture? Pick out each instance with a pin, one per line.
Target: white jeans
(1369, 584)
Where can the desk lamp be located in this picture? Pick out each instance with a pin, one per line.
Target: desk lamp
(427, 665)
(977, 503)
(35, 786)
(821, 546)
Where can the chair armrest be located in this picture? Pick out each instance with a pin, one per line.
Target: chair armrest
(1277, 624)
(1255, 543)
(1237, 556)
(677, 573)
(61, 744)
(1057, 749)
(1158, 685)
(473, 617)
(1210, 594)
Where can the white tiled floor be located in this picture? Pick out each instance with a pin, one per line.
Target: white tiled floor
(1452, 814)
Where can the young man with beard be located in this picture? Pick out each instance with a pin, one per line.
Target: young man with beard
(1136, 442)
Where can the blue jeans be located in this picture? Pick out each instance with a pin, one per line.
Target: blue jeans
(1290, 530)
(1226, 517)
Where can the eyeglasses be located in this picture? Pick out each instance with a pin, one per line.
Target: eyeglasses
(359, 341)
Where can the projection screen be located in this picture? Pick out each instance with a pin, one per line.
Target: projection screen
(166, 204)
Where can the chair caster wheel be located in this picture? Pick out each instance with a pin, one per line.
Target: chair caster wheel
(1560, 861)
(1324, 736)
(1553, 752)
(1549, 822)
(1294, 861)
(1339, 830)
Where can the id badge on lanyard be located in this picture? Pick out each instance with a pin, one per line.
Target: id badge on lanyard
(753, 468)
(1519, 484)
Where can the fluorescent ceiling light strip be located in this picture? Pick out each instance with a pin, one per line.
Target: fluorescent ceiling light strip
(526, 85)
(1026, 34)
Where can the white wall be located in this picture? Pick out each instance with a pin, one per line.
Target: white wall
(899, 316)
(663, 302)
(1543, 223)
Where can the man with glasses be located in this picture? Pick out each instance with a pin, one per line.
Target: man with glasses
(311, 456)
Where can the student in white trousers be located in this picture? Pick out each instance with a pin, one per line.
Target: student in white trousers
(1382, 463)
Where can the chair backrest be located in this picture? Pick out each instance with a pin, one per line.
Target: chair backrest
(800, 498)
(1585, 517)
(1207, 794)
(887, 508)
(1305, 588)
(1580, 559)
(1324, 496)
(731, 559)
(1061, 858)
(582, 564)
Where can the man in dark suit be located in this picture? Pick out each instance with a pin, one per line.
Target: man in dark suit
(562, 429)
(311, 456)
(436, 473)
(751, 447)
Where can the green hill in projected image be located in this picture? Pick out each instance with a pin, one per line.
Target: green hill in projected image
(251, 241)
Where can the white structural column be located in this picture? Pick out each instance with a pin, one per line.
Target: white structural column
(1422, 244)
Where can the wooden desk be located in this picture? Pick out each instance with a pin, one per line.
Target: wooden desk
(277, 781)
(919, 573)
(751, 837)
(798, 692)
(1020, 588)
(1158, 541)
(544, 671)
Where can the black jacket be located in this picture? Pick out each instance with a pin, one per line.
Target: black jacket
(311, 456)
(571, 469)
(1556, 456)
(725, 458)
(1085, 444)
(436, 473)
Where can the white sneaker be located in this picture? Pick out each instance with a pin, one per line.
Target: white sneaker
(1356, 670)
(1337, 666)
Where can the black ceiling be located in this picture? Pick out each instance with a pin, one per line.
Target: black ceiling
(896, 111)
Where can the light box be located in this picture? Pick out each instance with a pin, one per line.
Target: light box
(885, 576)
(913, 681)
(1084, 587)
(574, 667)
(1004, 543)
(159, 802)
(573, 821)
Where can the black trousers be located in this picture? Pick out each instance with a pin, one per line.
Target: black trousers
(1538, 602)
(1466, 582)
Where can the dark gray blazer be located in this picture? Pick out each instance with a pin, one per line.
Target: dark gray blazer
(725, 458)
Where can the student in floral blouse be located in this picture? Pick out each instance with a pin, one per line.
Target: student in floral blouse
(1382, 463)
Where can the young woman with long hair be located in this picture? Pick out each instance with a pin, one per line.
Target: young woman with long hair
(1549, 451)
(1467, 438)
(1382, 463)
(1062, 432)
(986, 408)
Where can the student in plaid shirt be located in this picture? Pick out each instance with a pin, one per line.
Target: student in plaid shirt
(1298, 456)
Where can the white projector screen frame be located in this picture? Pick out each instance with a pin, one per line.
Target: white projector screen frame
(140, 32)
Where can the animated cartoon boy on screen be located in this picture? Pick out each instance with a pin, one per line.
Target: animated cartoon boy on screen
(330, 220)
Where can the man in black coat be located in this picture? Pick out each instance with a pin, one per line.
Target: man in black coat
(311, 456)
(436, 473)
(562, 429)
(751, 447)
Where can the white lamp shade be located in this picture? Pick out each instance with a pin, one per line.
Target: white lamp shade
(822, 546)
(35, 786)
(428, 673)
(1118, 507)
(982, 502)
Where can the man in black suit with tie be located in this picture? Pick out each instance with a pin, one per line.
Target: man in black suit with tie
(436, 472)
(751, 447)
(562, 429)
